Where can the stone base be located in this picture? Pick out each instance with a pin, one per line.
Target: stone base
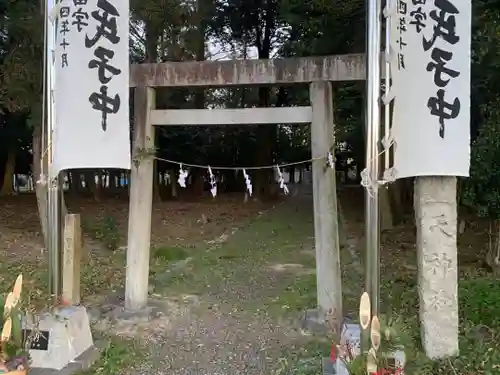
(65, 336)
(121, 313)
(314, 321)
(113, 309)
(111, 317)
(82, 363)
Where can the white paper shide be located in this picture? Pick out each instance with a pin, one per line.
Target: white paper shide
(91, 85)
(430, 68)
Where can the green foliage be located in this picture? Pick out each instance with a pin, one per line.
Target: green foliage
(20, 55)
(172, 30)
(309, 20)
(482, 190)
(480, 302)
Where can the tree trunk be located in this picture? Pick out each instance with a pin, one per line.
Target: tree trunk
(8, 177)
(493, 256)
(74, 181)
(386, 219)
(173, 183)
(98, 186)
(90, 184)
(406, 188)
(113, 180)
(232, 182)
(69, 173)
(291, 172)
(395, 200)
(156, 182)
(197, 187)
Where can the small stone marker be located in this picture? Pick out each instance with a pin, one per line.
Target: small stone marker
(65, 343)
(436, 222)
(67, 337)
(72, 256)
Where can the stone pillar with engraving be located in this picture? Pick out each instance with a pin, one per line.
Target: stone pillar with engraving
(436, 222)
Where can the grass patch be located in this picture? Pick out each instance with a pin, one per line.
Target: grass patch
(103, 274)
(479, 353)
(480, 330)
(275, 236)
(480, 302)
(169, 254)
(299, 295)
(479, 340)
(116, 357)
(105, 231)
(304, 360)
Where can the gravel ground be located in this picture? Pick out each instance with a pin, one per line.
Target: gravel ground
(189, 336)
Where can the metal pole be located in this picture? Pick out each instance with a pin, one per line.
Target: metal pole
(53, 197)
(387, 84)
(373, 31)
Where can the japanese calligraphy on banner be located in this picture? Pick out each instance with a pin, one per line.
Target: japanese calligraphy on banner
(91, 85)
(430, 69)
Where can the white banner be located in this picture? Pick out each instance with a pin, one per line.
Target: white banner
(430, 65)
(91, 85)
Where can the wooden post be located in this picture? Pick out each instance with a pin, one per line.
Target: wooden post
(72, 256)
(141, 198)
(326, 229)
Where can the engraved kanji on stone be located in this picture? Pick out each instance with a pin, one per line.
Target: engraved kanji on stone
(438, 263)
(440, 300)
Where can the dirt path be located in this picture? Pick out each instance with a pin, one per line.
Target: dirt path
(234, 307)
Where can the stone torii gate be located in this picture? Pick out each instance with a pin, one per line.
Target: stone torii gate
(318, 72)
